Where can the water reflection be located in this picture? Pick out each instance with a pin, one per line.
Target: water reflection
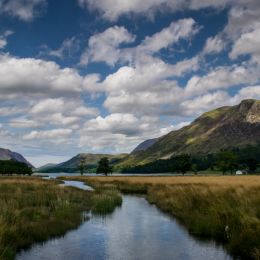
(77, 184)
(137, 230)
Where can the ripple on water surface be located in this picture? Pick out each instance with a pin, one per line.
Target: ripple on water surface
(137, 230)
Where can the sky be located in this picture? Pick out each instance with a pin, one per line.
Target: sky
(102, 76)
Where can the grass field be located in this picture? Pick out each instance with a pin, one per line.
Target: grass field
(245, 180)
(32, 210)
(225, 208)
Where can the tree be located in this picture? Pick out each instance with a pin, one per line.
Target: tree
(25, 170)
(104, 167)
(251, 164)
(182, 163)
(82, 166)
(194, 168)
(226, 161)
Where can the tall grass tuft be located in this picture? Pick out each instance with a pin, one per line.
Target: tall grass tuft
(229, 215)
(34, 210)
(105, 201)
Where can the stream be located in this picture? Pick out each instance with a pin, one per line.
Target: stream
(137, 230)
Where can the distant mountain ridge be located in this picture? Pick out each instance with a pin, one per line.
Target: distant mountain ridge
(46, 167)
(145, 145)
(72, 165)
(6, 154)
(221, 128)
(224, 127)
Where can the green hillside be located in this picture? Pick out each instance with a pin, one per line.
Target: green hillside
(225, 127)
(72, 165)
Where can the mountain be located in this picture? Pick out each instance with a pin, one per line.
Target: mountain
(46, 167)
(144, 145)
(72, 165)
(6, 154)
(225, 127)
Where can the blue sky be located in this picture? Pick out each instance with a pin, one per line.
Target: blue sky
(102, 76)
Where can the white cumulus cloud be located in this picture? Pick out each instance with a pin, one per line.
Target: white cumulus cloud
(25, 10)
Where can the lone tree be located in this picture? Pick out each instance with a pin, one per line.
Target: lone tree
(104, 167)
(82, 166)
(226, 161)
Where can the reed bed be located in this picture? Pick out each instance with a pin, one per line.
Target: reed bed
(224, 208)
(34, 210)
(228, 215)
(221, 181)
(105, 201)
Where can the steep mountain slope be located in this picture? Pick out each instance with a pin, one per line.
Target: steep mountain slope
(225, 127)
(6, 154)
(72, 165)
(145, 145)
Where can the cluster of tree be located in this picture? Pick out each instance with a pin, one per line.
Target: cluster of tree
(176, 164)
(13, 167)
(247, 158)
(75, 169)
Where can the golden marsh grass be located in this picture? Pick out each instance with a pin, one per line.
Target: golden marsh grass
(225, 208)
(213, 181)
(33, 209)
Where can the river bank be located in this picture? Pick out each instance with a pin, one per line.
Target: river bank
(34, 210)
(225, 208)
(136, 230)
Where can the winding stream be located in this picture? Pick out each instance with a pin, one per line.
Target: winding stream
(137, 230)
(77, 184)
